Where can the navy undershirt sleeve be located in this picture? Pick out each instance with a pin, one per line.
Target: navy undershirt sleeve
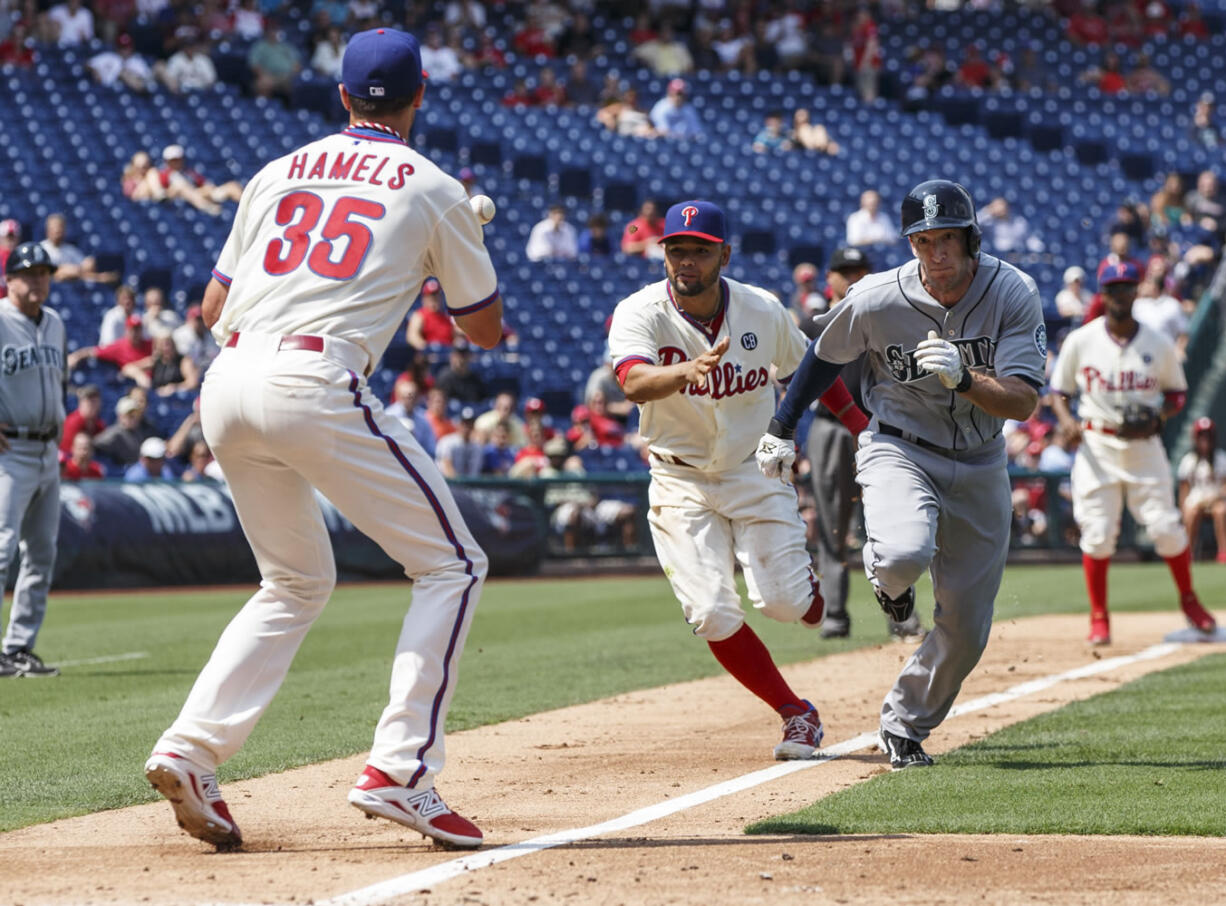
(810, 380)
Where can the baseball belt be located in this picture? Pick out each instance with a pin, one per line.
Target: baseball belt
(890, 430)
(24, 433)
(1100, 427)
(293, 341)
(671, 460)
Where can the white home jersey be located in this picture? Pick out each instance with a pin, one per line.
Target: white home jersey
(713, 425)
(336, 239)
(1107, 375)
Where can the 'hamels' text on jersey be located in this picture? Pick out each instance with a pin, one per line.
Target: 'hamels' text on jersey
(713, 425)
(355, 167)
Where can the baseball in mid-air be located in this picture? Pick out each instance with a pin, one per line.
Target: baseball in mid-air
(483, 207)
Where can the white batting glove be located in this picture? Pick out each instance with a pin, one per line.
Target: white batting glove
(941, 358)
(775, 456)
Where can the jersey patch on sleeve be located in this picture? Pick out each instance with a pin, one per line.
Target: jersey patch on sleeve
(1040, 339)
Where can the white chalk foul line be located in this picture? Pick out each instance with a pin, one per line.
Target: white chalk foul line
(107, 659)
(437, 874)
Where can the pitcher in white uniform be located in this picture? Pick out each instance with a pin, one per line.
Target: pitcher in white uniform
(330, 245)
(1108, 364)
(695, 351)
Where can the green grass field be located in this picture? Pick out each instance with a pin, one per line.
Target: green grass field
(1146, 758)
(535, 645)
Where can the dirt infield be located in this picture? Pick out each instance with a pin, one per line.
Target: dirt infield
(578, 766)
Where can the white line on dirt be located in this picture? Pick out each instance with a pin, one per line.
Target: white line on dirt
(437, 874)
(107, 659)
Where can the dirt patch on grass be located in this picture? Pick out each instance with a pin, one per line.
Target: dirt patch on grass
(578, 766)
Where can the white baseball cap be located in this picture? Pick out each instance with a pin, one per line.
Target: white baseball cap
(172, 152)
(153, 448)
(1074, 273)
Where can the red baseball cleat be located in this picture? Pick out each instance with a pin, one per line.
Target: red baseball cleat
(802, 734)
(195, 797)
(1197, 615)
(423, 810)
(1100, 632)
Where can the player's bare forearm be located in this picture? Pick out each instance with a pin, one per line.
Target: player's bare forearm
(1004, 397)
(214, 300)
(645, 383)
(483, 327)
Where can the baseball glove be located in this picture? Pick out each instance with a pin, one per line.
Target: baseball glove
(1139, 421)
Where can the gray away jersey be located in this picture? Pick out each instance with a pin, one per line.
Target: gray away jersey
(997, 326)
(31, 369)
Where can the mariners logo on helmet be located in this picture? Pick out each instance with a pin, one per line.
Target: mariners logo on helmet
(931, 207)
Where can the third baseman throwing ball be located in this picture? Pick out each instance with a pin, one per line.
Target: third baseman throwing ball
(955, 345)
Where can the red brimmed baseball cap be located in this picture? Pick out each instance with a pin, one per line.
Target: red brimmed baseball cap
(382, 64)
(1119, 272)
(700, 219)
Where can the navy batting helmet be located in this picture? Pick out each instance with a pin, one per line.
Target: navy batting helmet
(28, 256)
(941, 203)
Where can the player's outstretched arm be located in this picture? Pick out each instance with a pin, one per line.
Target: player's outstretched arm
(811, 379)
(645, 382)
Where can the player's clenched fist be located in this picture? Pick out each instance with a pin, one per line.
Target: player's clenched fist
(775, 456)
(941, 358)
(700, 367)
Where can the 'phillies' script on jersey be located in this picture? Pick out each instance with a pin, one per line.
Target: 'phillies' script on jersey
(1096, 380)
(726, 379)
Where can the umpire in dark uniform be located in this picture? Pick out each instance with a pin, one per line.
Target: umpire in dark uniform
(32, 356)
(831, 451)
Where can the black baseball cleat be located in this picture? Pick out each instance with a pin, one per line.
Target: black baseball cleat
(897, 609)
(7, 666)
(30, 664)
(835, 629)
(903, 752)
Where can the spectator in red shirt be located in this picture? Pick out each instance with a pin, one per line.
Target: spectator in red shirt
(489, 54)
(866, 54)
(85, 419)
(1086, 26)
(1106, 78)
(548, 89)
(520, 95)
(125, 352)
(591, 428)
(975, 71)
(531, 457)
(430, 325)
(81, 465)
(1155, 17)
(10, 238)
(1191, 25)
(641, 233)
(18, 49)
(534, 414)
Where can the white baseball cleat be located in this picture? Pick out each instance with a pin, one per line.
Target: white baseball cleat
(195, 797)
(423, 810)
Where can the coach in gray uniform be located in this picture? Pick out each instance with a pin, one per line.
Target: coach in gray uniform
(955, 345)
(32, 354)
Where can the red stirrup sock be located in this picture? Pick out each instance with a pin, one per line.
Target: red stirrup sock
(744, 656)
(1181, 570)
(1096, 584)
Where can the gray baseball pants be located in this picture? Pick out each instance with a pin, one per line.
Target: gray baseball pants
(29, 526)
(950, 516)
(831, 448)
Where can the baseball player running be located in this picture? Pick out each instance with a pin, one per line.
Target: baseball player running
(1128, 380)
(955, 345)
(32, 355)
(329, 247)
(830, 450)
(695, 352)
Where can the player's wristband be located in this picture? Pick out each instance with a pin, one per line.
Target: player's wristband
(964, 383)
(776, 428)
